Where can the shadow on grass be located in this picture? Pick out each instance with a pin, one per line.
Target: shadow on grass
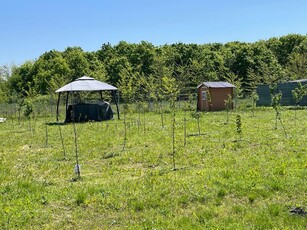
(56, 123)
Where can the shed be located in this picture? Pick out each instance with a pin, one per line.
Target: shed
(211, 96)
(285, 88)
(81, 111)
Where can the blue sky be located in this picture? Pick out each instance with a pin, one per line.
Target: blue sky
(28, 28)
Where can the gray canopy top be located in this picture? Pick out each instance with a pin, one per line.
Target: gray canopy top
(85, 84)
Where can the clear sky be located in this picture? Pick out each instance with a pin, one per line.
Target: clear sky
(28, 28)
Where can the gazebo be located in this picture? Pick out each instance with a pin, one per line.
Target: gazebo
(90, 85)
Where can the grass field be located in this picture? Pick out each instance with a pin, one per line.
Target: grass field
(221, 180)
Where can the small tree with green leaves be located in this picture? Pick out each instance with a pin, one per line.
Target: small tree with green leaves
(237, 82)
(197, 116)
(171, 90)
(125, 109)
(62, 141)
(276, 100)
(185, 109)
(209, 98)
(228, 104)
(128, 85)
(28, 111)
(255, 98)
(298, 94)
(239, 126)
(77, 166)
(20, 103)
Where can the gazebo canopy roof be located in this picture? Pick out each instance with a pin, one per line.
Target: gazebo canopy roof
(86, 84)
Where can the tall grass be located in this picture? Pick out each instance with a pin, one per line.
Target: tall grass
(219, 183)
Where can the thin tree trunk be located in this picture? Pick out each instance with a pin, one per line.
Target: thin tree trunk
(46, 129)
(125, 132)
(185, 130)
(173, 137)
(77, 168)
(62, 141)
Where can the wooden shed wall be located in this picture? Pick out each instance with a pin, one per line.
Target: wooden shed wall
(217, 96)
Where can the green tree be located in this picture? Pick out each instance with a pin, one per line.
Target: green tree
(160, 70)
(236, 81)
(254, 79)
(4, 76)
(51, 71)
(255, 98)
(298, 93)
(97, 69)
(21, 79)
(142, 57)
(297, 65)
(105, 53)
(114, 67)
(287, 44)
(170, 89)
(129, 83)
(4, 73)
(77, 62)
(243, 64)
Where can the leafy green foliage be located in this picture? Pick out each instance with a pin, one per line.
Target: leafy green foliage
(255, 98)
(243, 64)
(275, 102)
(28, 109)
(299, 92)
(228, 106)
(297, 64)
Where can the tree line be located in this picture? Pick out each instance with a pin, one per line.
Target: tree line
(145, 71)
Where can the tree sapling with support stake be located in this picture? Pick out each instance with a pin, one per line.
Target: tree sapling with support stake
(228, 103)
(77, 166)
(276, 99)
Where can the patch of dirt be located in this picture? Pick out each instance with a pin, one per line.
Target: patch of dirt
(25, 147)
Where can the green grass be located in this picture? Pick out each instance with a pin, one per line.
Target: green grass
(222, 181)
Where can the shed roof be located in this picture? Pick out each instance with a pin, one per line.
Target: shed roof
(217, 84)
(86, 84)
(300, 80)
